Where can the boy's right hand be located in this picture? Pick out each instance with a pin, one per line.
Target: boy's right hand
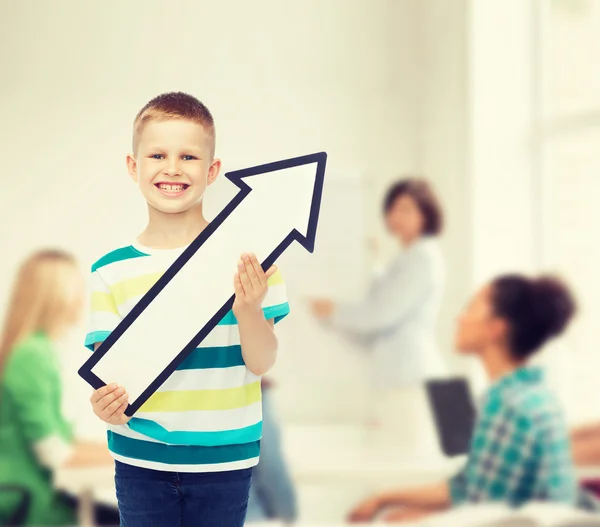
(109, 404)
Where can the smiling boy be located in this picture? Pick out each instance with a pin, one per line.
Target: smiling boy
(186, 457)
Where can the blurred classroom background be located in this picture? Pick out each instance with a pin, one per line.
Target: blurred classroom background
(496, 102)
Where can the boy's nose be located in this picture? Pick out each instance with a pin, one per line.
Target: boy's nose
(173, 169)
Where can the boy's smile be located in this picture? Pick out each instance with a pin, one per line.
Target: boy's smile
(172, 190)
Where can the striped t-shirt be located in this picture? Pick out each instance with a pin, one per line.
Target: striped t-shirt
(207, 416)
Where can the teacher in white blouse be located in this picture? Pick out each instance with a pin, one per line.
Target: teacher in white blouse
(397, 319)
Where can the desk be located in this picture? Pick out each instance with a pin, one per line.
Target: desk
(338, 467)
(344, 467)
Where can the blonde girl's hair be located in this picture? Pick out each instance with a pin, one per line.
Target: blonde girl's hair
(41, 297)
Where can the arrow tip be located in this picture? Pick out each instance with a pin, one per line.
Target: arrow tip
(297, 184)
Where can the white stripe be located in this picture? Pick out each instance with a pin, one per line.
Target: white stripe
(103, 321)
(96, 284)
(209, 379)
(124, 430)
(205, 421)
(121, 270)
(276, 294)
(212, 467)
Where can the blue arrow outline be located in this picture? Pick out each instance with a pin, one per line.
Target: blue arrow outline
(237, 178)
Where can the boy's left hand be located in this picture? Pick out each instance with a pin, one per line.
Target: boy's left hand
(250, 285)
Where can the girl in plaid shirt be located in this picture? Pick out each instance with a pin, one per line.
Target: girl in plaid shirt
(520, 449)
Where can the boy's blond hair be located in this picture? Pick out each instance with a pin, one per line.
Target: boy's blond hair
(175, 105)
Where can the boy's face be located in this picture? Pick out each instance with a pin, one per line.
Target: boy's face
(173, 164)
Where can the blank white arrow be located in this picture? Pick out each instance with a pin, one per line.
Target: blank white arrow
(197, 290)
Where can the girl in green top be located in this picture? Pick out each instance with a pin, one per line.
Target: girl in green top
(35, 439)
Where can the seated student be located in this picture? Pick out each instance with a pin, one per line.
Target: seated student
(35, 438)
(520, 449)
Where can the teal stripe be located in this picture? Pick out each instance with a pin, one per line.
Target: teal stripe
(217, 357)
(228, 320)
(123, 253)
(278, 312)
(95, 336)
(180, 454)
(152, 429)
(199, 359)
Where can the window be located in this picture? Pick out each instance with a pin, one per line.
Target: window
(569, 127)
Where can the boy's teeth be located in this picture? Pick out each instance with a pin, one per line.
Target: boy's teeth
(176, 188)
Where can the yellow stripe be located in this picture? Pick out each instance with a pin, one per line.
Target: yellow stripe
(133, 287)
(192, 400)
(140, 285)
(103, 302)
(276, 279)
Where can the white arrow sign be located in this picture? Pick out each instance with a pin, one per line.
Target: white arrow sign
(196, 291)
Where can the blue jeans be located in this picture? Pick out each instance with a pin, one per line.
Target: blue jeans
(272, 495)
(151, 498)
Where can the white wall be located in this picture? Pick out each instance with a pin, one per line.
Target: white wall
(444, 146)
(502, 106)
(501, 116)
(281, 80)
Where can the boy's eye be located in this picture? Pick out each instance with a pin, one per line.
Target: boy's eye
(189, 158)
(157, 156)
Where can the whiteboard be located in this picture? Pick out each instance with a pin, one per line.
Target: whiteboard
(339, 268)
(339, 265)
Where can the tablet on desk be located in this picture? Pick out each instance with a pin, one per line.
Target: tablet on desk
(454, 413)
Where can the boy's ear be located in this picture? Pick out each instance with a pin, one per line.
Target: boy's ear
(213, 171)
(132, 167)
